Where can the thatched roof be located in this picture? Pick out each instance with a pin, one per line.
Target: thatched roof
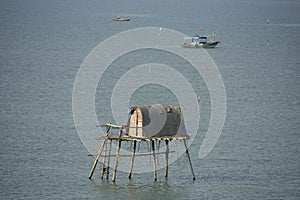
(156, 121)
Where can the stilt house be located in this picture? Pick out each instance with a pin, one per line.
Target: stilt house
(155, 121)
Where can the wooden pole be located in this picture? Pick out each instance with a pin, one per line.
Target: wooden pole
(99, 153)
(103, 161)
(96, 160)
(132, 159)
(167, 158)
(189, 159)
(108, 160)
(154, 161)
(117, 157)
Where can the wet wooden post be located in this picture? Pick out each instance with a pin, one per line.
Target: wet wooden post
(167, 158)
(103, 161)
(99, 153)
(154, 161)
(132, 159)
(117, 156)
(189, 159)
(108, 160)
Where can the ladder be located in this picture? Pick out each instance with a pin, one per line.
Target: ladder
(100, 151)
(106, 159)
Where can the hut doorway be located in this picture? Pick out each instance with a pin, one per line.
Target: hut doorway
(136, 123)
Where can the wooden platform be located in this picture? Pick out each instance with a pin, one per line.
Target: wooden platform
(132, 138)
(106, 148)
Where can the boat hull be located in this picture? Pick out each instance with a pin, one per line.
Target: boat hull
(121, 19)
(211, 44)
(207, 45)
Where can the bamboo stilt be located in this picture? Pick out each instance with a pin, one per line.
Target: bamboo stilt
(108, 160)
(103, 168)
(99, 153)
(154, 161)
(189, 159)
(132, 159)
(117, 157)
(167, 158)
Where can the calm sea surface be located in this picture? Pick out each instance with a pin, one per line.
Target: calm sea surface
(43, 43)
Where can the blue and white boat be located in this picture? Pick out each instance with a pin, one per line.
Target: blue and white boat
(200, 42)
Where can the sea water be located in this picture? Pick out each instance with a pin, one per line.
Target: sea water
(43, 44)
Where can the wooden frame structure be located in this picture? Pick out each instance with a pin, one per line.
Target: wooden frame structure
(105, 151)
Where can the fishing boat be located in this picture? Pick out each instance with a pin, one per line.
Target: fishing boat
(200, 41)
(122, 19)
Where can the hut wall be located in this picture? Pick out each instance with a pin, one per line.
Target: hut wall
(156, 121)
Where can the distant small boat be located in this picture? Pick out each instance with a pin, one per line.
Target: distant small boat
(199, 42)
(121, 19)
